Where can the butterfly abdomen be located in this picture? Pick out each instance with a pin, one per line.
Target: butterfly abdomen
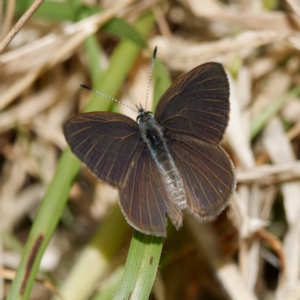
(153, 136)
(172, 178)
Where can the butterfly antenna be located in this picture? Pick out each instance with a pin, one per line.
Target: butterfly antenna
(106, 96)
(150, 75)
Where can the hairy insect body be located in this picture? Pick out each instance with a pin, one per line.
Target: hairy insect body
(153, 136)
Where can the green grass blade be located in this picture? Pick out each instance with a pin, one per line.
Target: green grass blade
(51, 10)
(141, 267)
(57, 193)
(145, 250)
(122, 29)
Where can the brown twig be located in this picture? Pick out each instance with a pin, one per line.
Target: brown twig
(9, 14)
(26, 16)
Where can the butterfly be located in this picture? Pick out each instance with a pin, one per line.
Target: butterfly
(164, 162)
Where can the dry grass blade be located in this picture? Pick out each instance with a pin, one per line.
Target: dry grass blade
(270, 174)
(249, 20)
(14, 31)
(7, 17)
(181, 55)
(274, 136)
(295, 6)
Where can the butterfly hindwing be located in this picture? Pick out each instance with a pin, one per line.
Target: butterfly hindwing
(208, 176)
(108, 143)
(145, 200)
(197, 104)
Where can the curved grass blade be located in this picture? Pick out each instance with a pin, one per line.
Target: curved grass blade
(122, 29)
(141, 267)
(145, 250)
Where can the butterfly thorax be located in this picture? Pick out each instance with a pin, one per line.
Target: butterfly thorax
(153, 135)
(150, 131)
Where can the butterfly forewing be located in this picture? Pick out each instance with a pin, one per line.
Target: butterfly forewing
(106, 142)
(145, 200)
(208, 176)
(197, 104)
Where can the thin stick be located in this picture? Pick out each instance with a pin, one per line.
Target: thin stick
(13, 32)
(8, 17)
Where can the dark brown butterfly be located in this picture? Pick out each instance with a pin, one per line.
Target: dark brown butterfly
(165, 162)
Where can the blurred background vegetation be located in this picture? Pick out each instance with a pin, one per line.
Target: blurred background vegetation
(252, 251)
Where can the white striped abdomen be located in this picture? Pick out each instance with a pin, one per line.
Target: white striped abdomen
(152, 134)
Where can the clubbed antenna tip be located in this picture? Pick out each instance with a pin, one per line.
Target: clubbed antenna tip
(85, 87)
(154, 52)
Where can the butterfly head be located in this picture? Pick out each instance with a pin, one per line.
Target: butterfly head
(144, 116)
